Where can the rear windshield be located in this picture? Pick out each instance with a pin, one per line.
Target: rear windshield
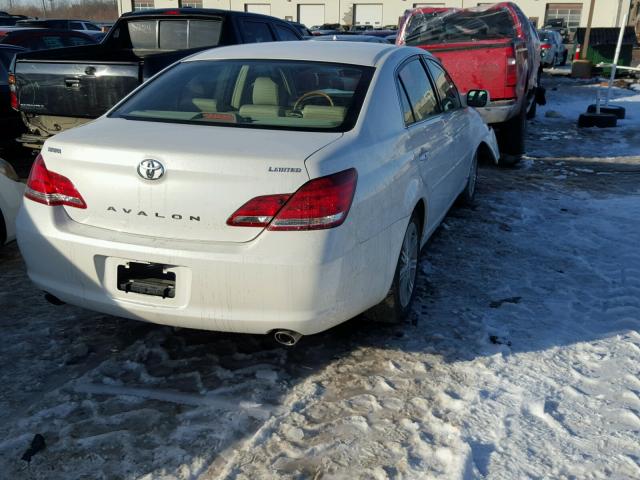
(177, 34)
(545, 36)
(459, 26)
(275, 94)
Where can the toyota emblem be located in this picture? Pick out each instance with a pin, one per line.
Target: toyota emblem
(150, 169)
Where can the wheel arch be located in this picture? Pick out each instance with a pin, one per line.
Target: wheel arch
(486, 153)
(3, 230)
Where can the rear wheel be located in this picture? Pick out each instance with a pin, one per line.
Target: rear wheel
(468, 194)
(397, 306)
(3, 231)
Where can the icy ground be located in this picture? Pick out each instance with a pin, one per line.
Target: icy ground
(522, 361)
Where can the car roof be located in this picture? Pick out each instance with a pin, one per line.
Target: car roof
(350, 38)
(353, 53)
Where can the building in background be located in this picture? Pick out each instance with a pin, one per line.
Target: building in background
(608, 13)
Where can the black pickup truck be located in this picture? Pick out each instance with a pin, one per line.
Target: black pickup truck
(62, 88)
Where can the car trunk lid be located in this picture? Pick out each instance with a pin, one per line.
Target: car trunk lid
(209, 172)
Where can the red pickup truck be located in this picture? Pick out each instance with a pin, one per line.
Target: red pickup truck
(492, 48)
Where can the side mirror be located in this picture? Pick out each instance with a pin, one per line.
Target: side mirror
(477, 98)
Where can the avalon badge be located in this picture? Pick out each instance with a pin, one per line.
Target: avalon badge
(150, 169)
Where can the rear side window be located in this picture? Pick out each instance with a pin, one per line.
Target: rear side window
(417, 87)
(256, 32)
(449, 98)
(285, 33)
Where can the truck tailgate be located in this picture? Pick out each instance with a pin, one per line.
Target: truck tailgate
(73, 89)
(478, 65)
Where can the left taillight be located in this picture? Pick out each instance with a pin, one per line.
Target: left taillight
(13, 94)
(545, 46)
(319, 204)
(51, 188)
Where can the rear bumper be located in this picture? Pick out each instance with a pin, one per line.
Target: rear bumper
(499, 111)
(302, 281)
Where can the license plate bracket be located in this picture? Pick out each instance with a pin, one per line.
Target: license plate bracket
(151, 279)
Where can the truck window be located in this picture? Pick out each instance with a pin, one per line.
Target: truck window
(174, 34)
(256, 32)
(285, 33)
(447, 90)
(76, 26)
(52, 41)
(91, 26)
(416, 84)
(143, 34)
(76, 40)
(204, 33)
(459, 26)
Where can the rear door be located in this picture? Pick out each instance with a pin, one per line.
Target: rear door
(427, 134)
(456, 124)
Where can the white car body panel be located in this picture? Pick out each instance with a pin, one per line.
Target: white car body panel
(10, 201)
(250, 280)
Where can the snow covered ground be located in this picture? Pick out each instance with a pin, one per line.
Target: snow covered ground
(522, 360)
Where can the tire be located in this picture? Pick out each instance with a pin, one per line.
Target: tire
(467, 197)
(600, 120)
(395, 308)
(3, 231)
(564, 58)
(512, 139)
(616, 110)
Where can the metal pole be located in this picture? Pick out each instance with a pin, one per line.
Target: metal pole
(618, 14)
(587, 34)
(615, 57)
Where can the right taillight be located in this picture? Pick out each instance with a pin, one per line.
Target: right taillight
(13, 94)
(320, 203)
(50, 188)
(512, 71)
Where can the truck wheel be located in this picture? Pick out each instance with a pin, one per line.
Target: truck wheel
(512, 139)
(395, 308)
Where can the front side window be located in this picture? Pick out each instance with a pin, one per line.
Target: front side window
(449, 98)
(418, 89)
(76, 26)
(275, 94)
(91, 26)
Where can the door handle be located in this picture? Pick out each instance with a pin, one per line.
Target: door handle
(72, 82)
(423, 155)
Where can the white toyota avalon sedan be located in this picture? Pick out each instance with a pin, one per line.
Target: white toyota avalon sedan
(265, 188)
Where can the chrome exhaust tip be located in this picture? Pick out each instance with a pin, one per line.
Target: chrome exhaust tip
(287, 337)
(53, 300)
